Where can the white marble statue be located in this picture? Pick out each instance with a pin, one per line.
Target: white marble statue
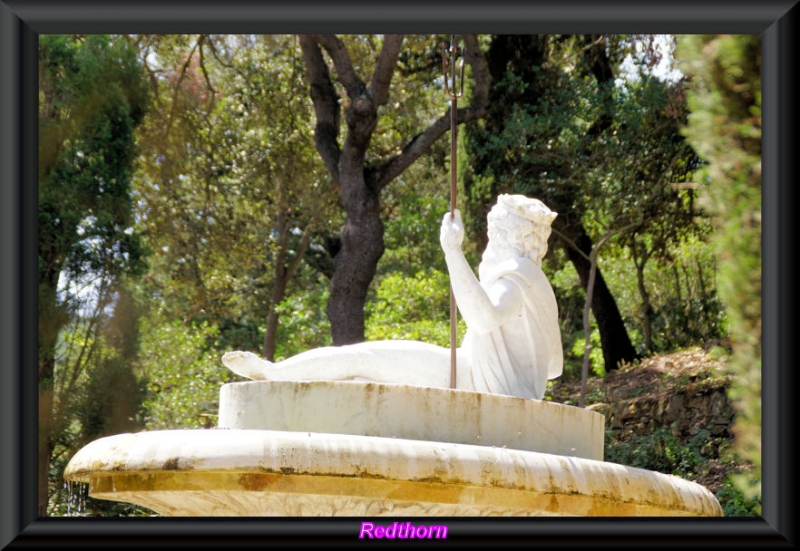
(513, 342)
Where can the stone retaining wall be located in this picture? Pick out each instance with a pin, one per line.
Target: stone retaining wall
(684, 412)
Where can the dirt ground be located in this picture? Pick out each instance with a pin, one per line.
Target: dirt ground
(652, 376)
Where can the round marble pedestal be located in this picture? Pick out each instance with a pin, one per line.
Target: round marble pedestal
(413, 413)
(353, 449)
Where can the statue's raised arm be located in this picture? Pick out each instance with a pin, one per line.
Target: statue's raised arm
(513, 341)
(483, 309)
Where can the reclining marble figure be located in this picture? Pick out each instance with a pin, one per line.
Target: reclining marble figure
(512, 345)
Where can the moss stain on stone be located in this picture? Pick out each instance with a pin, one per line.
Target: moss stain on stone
(171, 464)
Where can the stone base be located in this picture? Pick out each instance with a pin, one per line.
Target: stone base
(280, 473)
(414, 413)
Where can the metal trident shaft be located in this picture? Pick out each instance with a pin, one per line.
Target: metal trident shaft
(454, 89)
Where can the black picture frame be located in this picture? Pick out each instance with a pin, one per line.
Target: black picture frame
(22, 21)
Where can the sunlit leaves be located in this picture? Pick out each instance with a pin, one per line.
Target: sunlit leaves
(183, 373)
(414, 308)
(231, 177)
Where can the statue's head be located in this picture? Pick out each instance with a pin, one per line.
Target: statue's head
(519, 226)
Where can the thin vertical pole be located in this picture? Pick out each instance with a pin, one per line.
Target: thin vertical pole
(450, 89)
(453, 196)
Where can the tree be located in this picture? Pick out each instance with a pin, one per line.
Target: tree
(359, 174)
(92, 97)
(560, 128)
(526, 79)
(232, 191)
(725, 127)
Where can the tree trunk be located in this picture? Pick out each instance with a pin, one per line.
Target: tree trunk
(356, 262)
(45, 443)
(647, 309)
(283, 273)
(640, 260)
(362, 245)
(49, 326)
(278, 284)
(614, 338)
(272, 322)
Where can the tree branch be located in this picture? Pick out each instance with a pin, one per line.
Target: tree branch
(175, 91)
(326, 105)
(596, 248)
(305, 239)
(413, 150)
(387, 62)
(344, 67)
(394, 166)
(204, 40)
(592, 259)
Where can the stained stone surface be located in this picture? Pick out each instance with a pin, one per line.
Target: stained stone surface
(415, 413)
(221, 472)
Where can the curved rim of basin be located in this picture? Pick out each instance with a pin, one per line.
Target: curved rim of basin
(413, 412)
(232, 473)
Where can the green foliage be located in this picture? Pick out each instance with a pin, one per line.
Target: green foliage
(113, 400)
(231, 192)
(725, 127)
(305, 325)
(411, 228)
(413, 308)
(181, 366)
(543, 135)
(690, 458)
(661, 451)
(735, 503)
(679, 324)
(92, 96)
(682, 306)
(573, 358)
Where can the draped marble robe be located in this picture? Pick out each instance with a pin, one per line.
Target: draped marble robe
(502, 363)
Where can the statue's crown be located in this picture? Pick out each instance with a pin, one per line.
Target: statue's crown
(525, 207)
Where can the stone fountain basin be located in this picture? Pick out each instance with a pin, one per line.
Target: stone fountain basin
(274, 473)
(421, 459)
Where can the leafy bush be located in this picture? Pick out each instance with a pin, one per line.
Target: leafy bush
(689, 458)
(725, 129)
(573, 359)
(659, 451)
(303, 322)
(735, 503)
(416, 308)
(685, 323)
(183, 374)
